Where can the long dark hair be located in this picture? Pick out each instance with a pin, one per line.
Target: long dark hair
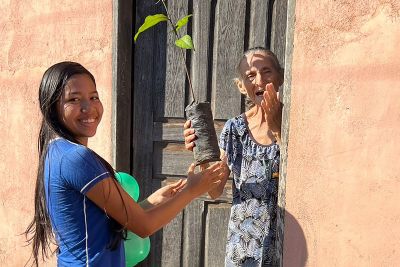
(39, 232)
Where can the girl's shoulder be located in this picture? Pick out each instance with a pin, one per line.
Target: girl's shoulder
(74, 165)
(63, 148)
(64, 145)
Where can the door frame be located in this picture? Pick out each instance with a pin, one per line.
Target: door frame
(122, 97)
(289, 40)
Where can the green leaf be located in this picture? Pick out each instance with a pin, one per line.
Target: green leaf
(182, 22)
(185, 42)
(149, 22)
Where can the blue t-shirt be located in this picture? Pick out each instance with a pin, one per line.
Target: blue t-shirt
(81, 228)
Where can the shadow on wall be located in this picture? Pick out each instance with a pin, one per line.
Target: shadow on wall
(295, 252)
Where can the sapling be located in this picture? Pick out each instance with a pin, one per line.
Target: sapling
(200, 115)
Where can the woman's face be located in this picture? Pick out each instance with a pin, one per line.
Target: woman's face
(257, 70)
(79, 108)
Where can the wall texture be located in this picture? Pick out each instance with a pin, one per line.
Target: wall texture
(344, 139)
(35, 35)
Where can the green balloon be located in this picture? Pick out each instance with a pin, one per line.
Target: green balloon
(136, 248)
(129, 184)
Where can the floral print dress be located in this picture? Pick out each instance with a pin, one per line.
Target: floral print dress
(252, 223)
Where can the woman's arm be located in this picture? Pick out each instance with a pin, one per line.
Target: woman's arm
(273, 109)
(109, 195)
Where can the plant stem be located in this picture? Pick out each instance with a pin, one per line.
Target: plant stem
(181, 50)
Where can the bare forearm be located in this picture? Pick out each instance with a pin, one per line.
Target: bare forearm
(146, 205)
(158, 216)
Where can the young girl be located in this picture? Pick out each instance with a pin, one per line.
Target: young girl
(249, 146)
(78, 202)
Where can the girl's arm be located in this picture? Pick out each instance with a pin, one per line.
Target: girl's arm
(109, 195)
(163, 194)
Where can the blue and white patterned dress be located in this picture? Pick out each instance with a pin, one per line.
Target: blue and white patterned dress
(252, 223)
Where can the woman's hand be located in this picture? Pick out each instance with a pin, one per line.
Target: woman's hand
(272, 108)
(163, 194)
(205, 180)
(189, 135)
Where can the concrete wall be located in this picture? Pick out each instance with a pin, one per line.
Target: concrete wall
(35, 35)
(344, 142)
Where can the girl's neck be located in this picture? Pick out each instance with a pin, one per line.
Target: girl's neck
(83, 141)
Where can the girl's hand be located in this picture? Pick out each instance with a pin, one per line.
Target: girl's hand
(205, 180)
(217, 191)
(165, 193)
(189, 135)
(109, 196)
(272, 107)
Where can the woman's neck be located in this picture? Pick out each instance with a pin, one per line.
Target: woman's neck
(264, 129)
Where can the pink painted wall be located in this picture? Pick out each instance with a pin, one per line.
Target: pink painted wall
(344, 142)
(35, 35)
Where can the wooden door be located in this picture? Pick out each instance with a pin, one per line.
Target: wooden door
(154, 107)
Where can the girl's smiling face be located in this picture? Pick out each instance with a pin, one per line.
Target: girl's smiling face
(257, 69)
(79, 107)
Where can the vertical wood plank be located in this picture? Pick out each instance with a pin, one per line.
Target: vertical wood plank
(159, 61)
(193, 234)
(175, 66)
(201, 57)
(142, 97)
(122, 84)
(216, 234)
(228, 48)
(171, 243)
(142, 123)
(171, 239)
(278, 30)
(167, 242)
(258, 30)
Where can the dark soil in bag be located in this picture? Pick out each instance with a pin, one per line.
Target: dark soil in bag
(206, 149)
